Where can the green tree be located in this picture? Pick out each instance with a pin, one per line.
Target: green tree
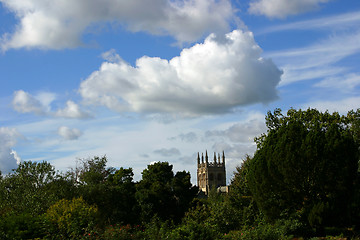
(93, 171)
(154, 193)
(25, 194)
(121, 201)
(29, 188)
(70, 219)
(197, 224)
(240, 198)
(184, 193)
(113, 191)
(162, 194)
(306, 163)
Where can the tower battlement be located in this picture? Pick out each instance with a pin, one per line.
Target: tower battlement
(210, 174)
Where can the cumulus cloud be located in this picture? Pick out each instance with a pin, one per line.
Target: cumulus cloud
(8, 157)
(16, 156)
(23, 102)
(283, 8)
(69, 133)
(242, 132)
(60, 24)
(186, 137)
(168, 152)
(213, 77)
(72, 110)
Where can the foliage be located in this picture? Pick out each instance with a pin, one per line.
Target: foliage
(22, 226)
(196, 225)
(240, 198)
(93, 171)
(120, 232)
(121, 203)
(70, 219)
(160, 193)
(307, 163)
(31, 188)
(113, 191)
(281, 229)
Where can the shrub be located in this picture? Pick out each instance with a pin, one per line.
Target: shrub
(71, 219)
(21, 226)
(120, 232)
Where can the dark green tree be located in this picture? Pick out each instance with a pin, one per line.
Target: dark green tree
(122, 203)
(162, 194)
(28, 188)
(240, 197)
(306, 164)
(113, 191)
(25, 194)
(184, 193)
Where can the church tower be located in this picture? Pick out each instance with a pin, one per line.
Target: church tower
(210, 174)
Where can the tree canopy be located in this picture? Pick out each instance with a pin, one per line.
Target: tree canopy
(164, 194)
(306, 164)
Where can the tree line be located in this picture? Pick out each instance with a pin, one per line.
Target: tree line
(303, 181)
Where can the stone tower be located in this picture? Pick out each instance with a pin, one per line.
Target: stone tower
(210, 174)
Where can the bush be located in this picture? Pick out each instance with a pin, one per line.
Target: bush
(71, 219)
(120, 232)
(281, 229)
(261, 232)
(21, 226)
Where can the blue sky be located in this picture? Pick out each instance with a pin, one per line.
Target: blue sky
(142, 81)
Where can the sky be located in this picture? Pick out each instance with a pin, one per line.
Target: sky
(145, 81)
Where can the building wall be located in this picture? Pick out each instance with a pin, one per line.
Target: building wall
(211, 174)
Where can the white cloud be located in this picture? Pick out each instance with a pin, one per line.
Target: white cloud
(72, 110)
(241, 132)
(25, 103)
(69, 133)
(339, 22)
(283, 8)
(40, 104)
(186, 137)
(168, 152)
(16, 156)
(342, 105)
(213, 77)
(60, 24)
(8, 157)
(346, 83)
(317, 60)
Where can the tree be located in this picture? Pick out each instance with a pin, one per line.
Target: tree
(121, 199)
(240, 197)
(306, 163)
(25, 194)
(154, 193)
(70, 219)
(184, 192)
(113, 191)
(93, 171)
(27, 188)
(162, 194)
